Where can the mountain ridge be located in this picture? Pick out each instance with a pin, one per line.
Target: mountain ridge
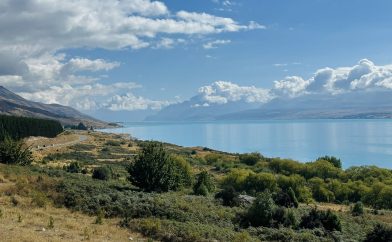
(13, 104)
(369, 105)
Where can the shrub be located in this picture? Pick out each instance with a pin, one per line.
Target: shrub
(333, 160)
(74, 167)
(380, 233)
(100, 216)
(51, 223)
(204, 184)
(155, 170)
(285, 217)
(113, 143)
(14, 152)
(321, 219)
(357, 209)
(229, 196)
(286, 199)
(102, 173)
(260, 182)
(262, 210)
(250, 159)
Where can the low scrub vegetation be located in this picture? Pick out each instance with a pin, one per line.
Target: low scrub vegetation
(171, 193)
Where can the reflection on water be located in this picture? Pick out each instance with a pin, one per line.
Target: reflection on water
(356, 142)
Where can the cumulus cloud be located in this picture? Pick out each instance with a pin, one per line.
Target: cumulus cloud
(130, 102)
(35, 35)
(222, 92)
(363, 76)
(96, 96)
(291, 86)
(215, 43)
(51, 25)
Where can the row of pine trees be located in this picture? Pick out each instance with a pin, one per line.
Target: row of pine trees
(21, 127)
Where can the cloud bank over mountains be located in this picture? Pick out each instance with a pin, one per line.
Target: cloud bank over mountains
(338, 92)
(36, 34)
(365, 76)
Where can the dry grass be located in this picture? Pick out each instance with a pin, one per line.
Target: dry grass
(21, 221)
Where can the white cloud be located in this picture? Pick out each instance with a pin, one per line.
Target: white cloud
(215, 43)
(83, 64)
(96, 96)
(291, 86)
(36, 33)
(363, 76)
(130, 102)
(222, 92)
(52, 25)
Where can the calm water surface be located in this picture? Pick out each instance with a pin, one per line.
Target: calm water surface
(356, 142)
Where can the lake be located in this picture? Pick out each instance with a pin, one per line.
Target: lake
(356, 142)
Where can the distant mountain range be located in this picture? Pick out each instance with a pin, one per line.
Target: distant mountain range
(365, 104)
(13, 104)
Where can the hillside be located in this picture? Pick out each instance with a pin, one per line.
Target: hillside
(307, 201)
(13, 104)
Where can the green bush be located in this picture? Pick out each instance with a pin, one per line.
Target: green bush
(14, 152)
(229, 196)
(321, 219)
(380, 233)
(74, 167)
(155, 170)
(262, 210)
(357, 209)
(250, 159)
(286, 199)
(102, 173)
(113, 143)
(333, 160)
(204, 184)
(167, 230)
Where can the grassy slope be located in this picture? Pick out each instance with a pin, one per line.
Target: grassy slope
(25, 217)
(99, 149)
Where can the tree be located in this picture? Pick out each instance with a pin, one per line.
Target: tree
(102, 173)
(262, 210)
(14, 152)
(204, 184)
(333, 160)
(155, 170)
(21, 127)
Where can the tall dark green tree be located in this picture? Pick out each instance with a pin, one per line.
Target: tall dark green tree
(155, 170)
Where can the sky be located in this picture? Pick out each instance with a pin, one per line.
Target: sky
(135, 55)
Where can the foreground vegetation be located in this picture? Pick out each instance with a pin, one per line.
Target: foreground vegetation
(171, 193)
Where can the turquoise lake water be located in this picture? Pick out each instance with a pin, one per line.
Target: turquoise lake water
(356, 142)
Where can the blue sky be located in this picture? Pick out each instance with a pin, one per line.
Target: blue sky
(270, 41)
(303, 35)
